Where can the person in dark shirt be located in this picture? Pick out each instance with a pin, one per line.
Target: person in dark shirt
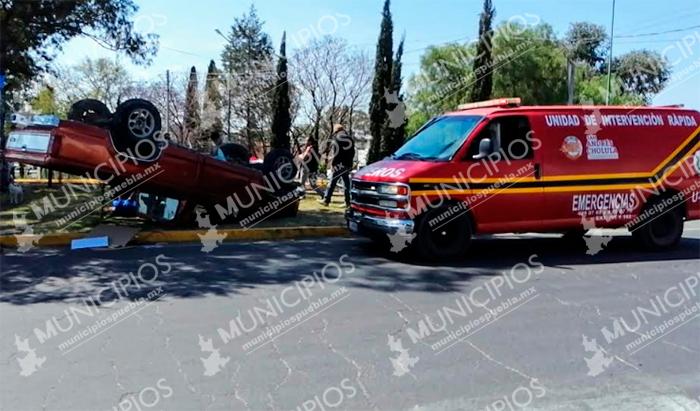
(341, 155)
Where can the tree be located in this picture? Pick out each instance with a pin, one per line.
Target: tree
(192, 115)
(642, 72)
(281, 103)
(382, 82)
(332, 80)
(211, 108)
(530, 65)
(32, 32)
(594, 89)
(394, 132)
(102, 79)
(45, 101)
(586, 43)
(247, 59)
(443, 82)
(483, 84)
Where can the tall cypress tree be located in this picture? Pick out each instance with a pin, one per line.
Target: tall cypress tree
(394, 132)
(483, 85)
(281, 119)
(381, 83)
(247, 58)
(192, 116)
(211, 109)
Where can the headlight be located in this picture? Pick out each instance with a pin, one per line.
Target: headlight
(398, 204)
(392, 190)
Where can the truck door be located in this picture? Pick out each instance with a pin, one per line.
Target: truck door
(506, 195)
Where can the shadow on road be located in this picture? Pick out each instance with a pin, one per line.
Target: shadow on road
(51, 275)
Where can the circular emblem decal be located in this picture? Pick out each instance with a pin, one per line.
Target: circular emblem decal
(696, 161)
(572, 147)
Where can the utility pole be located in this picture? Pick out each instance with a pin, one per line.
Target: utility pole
(228, 117)
(610, 54)
(167, 102)
(228, 87)
(570, 80)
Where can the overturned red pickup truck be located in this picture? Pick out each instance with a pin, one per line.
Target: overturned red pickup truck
(128, 147)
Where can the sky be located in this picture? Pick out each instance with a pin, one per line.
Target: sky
(187, 29)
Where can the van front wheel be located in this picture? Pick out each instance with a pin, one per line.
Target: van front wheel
(442, 236)
(661, 231)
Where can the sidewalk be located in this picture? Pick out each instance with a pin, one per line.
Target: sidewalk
(313, 220)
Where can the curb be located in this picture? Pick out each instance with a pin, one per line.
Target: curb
(185, 236)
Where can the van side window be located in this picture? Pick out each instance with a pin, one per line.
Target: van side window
(514, 143)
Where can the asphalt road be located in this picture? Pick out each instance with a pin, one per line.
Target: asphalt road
(526, 322)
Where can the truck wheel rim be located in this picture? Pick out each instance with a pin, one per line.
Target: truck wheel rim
(664, 226)
(284, 168)
(445, 235)
(141, 123)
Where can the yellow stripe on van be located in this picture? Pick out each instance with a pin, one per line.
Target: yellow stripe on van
(562, 189)
(568, 177)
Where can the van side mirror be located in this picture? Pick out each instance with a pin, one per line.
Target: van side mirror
(484, 149)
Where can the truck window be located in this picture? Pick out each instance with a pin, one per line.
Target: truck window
(514, 143)
(439, 139)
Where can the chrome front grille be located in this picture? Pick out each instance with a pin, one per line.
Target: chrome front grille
(365, 193)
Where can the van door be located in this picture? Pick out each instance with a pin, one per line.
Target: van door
(506, 195)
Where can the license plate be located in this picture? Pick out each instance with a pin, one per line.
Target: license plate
(36, 142)
(353, 226)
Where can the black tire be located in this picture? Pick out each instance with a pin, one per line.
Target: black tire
(136, 120)
(236, 153)
(280, 164)
(661, 231)
(445, 240)
(90, 111)
(574, 236)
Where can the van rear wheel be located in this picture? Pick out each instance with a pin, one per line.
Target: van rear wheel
(448, 237)
(660, 231)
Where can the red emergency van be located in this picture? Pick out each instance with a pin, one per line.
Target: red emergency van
(497, 167)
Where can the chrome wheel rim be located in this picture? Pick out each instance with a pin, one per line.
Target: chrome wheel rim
(141, 123)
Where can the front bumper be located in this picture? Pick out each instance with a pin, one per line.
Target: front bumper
(368, 225)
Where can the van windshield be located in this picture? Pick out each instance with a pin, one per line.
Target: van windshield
(439, 139)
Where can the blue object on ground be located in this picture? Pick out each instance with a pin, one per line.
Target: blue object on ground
(91, 242)
(125, 207)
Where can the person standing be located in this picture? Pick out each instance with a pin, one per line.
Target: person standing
(341, 153)
(308, 164)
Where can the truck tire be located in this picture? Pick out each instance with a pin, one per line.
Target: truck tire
(136, 120)
(90, 111)
(445, 240)
(660, 232)
(574, 236)
(280, 164)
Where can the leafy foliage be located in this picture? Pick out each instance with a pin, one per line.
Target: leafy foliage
(247, 61)
(211, 107)
(530, 64)
(192, 114)
(281, 103)
(483, 84)
(393, 135)
(45, 101)
(382, 82)
(642, 72)
(586, 42)
(32, 32)
(101, 79)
